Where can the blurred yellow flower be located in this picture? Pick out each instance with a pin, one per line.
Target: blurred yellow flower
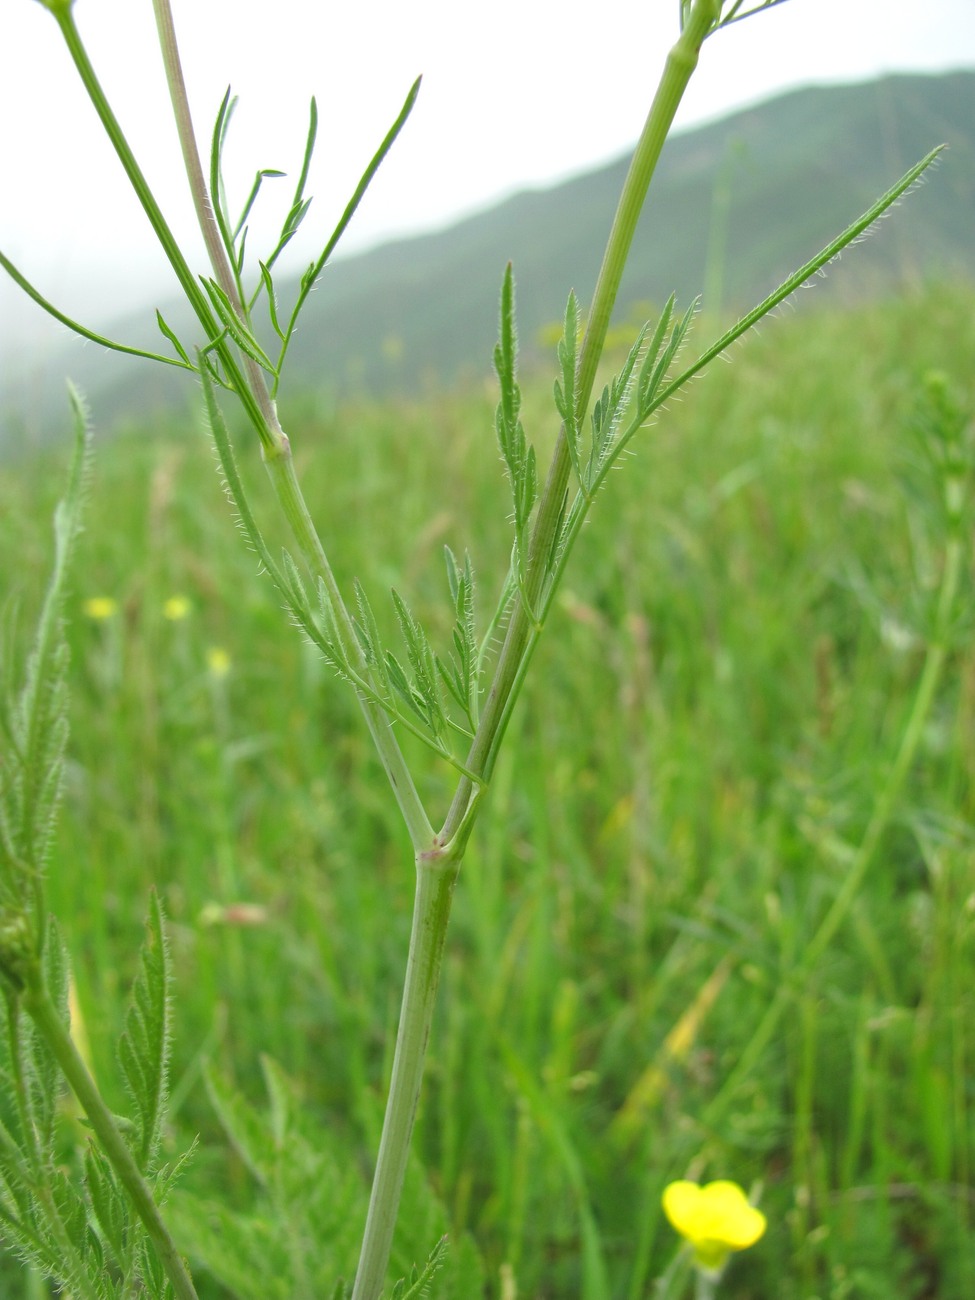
(176, 608)
(716, 1219)
(218, 661)
(100, 608)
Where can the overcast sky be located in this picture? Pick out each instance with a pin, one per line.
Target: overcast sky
(516, 93)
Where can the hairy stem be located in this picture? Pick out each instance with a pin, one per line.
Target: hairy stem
(277, 448)
(436, 874)
(522, 629)
(203, 204)
(437, 871)
(187, 280)
(288, 490)
(38, 1005)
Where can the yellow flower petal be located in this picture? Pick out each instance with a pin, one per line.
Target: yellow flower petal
(100, 608)
(715, 1219)
(176, 608)
(218, 661)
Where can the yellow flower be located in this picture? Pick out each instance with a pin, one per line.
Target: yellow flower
(218, 661)
(176, 608)
(716, 1219)
(100, 608)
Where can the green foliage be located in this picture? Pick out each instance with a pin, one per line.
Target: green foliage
(69, 1216)
(32, 741)
(302, 1228)
(43, 1211)
(282, 1243)
(144, 1047)
(517, 454)
(63, 1208)
(716, 596)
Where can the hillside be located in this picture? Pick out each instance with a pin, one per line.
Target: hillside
(735, 206)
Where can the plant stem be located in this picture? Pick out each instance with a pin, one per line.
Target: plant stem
(38, 1005)
(203, 203)
(436, 875)
(519, 641)
(187, 280)
(437, 871)
(277, 448)
(706, 1285)
(282, 472)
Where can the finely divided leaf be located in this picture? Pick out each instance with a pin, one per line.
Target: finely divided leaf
(417, 1284)
(143, 1051)
(422, 693)
(518, 457)
(607, 415)
(36, 729)
(460, 672)
(565, 391)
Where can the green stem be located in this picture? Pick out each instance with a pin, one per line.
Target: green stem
(282, 472)
(187, 280)
(519, 641)
(436, 875)
(38, 1005)
(203, 204)
(883, 810)
(706, 1285)
(39, 1179)
(437, 871)
(277, 448)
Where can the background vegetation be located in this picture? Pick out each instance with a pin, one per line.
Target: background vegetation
(697, 757)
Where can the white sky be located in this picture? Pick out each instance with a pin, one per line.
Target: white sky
(516, 93)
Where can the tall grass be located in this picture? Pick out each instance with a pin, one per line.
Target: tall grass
(759, 580)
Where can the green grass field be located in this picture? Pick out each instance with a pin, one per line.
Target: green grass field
(710, 724)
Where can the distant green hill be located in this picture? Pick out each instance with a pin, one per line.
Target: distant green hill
(734, 207)
(755, 195)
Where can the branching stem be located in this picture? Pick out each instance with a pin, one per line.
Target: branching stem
(37, 1003)
(277, 449)
(203, 204)
(522, 631)
(434, 887)
(436, 874)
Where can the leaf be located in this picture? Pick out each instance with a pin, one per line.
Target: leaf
(143, 1050)
(266, 173)
(299, 204)
(368, 635)
(607, 415)
(168, 333)
(272, 302)
(460, 674)
(217, 195)
(37, 729)
(78, 328)
(315, 268)
(656, 364)
(423, 689)
(518, 457)
(246, 1129)
(235, 327)
(800, 276)
(565, 391)
(737, 13)
(111, 1209)
(418, 1283)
